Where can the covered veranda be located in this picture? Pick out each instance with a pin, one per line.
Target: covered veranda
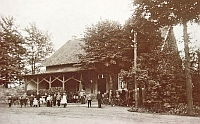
(65, 81)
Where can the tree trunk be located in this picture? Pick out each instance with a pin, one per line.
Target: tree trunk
(198, 75)
(187, 71)
(140, 100)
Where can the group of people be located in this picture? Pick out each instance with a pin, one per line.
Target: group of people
(62, 99)
(122, 98)
(56, 99)
(35, 100)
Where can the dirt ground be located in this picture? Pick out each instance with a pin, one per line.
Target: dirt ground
(80, 114)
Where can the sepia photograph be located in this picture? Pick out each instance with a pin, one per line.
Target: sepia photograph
(99, 61)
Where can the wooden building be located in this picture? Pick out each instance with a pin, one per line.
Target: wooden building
(63, 70)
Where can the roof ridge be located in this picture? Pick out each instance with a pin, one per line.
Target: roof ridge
(66, 54)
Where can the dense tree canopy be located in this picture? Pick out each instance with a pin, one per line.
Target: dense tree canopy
(109, 44)
(11, 52)
(108, 47)
(168, 12)
(148, 34)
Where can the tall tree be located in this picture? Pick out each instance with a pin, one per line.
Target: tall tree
(108, 47)
(148, 41)
(172, 12)
(38, 47)
(11, 52)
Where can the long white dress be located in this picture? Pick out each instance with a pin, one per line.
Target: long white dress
(64, 99)
(35, 102)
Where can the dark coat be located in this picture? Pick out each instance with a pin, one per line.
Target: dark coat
(99, 96)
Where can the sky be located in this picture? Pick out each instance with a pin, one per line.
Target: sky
(64, 19)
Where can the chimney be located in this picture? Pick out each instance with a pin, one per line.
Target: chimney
(73, 37)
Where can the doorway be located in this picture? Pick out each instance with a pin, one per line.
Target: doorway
(101, 85)
(71, 86)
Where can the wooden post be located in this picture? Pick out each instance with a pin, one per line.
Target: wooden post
(26, 83)
(37, 84)
(63, 82)
(134, 40)
(91, 85)
(135, 68)
(50, 82)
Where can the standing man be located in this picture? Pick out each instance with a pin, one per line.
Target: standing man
(99, 97)
(89, 98)
(54, 99)
(82, 93)
(58, 98)
(24, 99)
(31, 100)
(38, 98)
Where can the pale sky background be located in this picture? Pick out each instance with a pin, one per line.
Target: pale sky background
(67, 18)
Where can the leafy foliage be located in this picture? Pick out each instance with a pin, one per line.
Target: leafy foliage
(148, 34)
(195, 67)
(38, 47)
(172, 12)
(16, 51)
(108, 47)
(160, 57)
(11, 52)
(168, 12)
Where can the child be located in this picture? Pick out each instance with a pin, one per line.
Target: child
(89, 100)
(35, 102)
(9, 101)
(21, 101)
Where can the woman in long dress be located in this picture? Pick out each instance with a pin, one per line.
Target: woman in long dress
(49, 99)
(64, 100)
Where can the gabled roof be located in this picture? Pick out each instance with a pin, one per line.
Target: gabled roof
(165, 32)
(169, 39)
(67, 54)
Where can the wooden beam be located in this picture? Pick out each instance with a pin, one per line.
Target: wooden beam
(76, 79)
(69, 79)
(32, 79)
(44, 79)
(57, 77)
